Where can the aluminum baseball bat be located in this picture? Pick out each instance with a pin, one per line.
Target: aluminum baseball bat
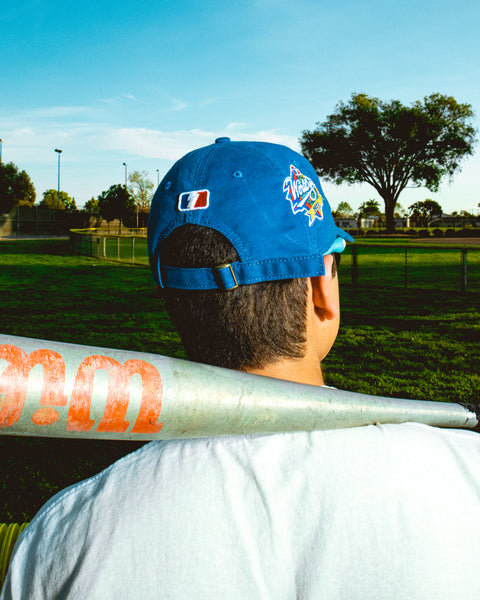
(57, 389)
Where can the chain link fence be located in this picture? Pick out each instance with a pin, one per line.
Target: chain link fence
(412, 266)
(120, 248)
(375, 265)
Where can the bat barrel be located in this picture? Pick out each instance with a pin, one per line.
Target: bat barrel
(57, 389)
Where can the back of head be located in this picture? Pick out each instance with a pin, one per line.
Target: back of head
(247, 327)
(234, 231)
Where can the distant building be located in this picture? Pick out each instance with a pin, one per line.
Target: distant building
(455, 221)
(346, 223)
(378, 223)
(371, 223)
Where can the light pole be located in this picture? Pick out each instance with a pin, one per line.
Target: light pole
(158, 177)
(125, 165)
(58, 195)
(1, 144)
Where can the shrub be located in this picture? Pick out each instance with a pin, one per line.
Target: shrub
(411, 232)
(471, 232)
(371, 233)
(450, 233)
(356, 232)
(423, 233)
(437, 233)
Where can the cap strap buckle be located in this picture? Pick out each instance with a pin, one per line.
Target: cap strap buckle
(224, 273)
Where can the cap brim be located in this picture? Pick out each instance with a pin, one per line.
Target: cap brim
(339, 243)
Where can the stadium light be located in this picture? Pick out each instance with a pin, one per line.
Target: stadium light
(58, 195)
(125, 165)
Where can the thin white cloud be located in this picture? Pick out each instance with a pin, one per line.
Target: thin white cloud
(171, 145)
(51, 112)
(177, 105)
(236, 126)
(149, 143)
(114, 100)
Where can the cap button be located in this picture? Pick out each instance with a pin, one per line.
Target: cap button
(222, 140)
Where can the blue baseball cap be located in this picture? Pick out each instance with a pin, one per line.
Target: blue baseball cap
(264, 198)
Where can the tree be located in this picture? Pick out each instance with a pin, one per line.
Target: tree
(91, 205)
(425, 211)
(390, 146)
(50, 200)
(70, 204)
(344, 211)
(117, 203)
(141, 189)
(16, 188)
(370, 208)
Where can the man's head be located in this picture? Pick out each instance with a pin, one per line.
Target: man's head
(236, 230)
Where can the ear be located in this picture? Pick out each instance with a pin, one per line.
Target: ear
(325, 293)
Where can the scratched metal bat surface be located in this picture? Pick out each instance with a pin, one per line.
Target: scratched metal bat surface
(56, 389)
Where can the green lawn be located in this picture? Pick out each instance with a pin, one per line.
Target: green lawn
(421, 344)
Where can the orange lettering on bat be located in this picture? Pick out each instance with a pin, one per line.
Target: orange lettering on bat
(13, 385)
(118, 395)
(53, 385)
(152, 390)
(14, 382)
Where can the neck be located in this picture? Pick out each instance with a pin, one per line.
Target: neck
(299, 371)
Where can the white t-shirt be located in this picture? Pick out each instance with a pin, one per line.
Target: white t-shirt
(379, 512)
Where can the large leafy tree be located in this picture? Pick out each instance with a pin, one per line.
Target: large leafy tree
(425, 210)
(344, 211)
(91, 205)
(390, 145)
(16, 188)
(50, 200)
(117, 203)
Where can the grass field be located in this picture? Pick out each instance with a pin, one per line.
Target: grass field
(406, 343)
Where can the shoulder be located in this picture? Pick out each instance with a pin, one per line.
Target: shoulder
(164, 465)
(194, 497)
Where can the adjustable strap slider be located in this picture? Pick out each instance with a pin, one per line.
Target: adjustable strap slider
(226, 277)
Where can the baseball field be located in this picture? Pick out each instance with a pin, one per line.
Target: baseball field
(394, 341)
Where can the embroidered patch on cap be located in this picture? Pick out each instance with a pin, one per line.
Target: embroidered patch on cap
(195, 200)
(303, 195)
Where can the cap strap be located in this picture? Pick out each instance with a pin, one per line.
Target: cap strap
(229, 276)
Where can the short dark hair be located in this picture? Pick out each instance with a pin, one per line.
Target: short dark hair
(244, 328)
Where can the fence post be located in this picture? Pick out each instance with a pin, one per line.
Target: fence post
(354, 264)
(463, 271)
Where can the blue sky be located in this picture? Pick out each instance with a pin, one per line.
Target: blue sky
(143, 82)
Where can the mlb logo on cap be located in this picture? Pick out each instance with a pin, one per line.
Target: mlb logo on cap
(195, 200)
